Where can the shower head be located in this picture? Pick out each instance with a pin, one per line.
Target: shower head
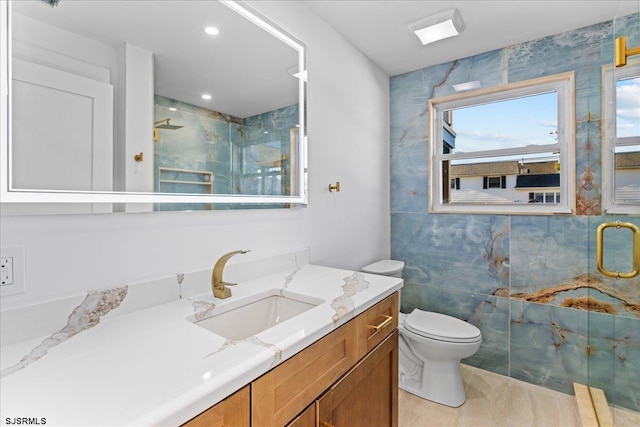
(166, 125)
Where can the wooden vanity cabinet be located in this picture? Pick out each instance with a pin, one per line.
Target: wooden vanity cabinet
(368, 394)
(231, 412)
(347, 378)
(306, 419)
(281, 394)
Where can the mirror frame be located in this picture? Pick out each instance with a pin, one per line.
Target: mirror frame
(9, 195)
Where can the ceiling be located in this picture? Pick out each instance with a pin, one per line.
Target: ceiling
(378, 28)
(244, 68)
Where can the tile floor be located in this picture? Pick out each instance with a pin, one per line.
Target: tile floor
(495, 400)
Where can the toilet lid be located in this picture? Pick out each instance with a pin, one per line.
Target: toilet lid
(386, 267)
(441, 327)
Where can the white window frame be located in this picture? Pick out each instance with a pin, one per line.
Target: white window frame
(610, 77)
(563, 85)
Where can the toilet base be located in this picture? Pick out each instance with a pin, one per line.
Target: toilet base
(436, 380)
(444, 387)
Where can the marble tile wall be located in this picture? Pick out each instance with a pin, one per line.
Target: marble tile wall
(525, 281)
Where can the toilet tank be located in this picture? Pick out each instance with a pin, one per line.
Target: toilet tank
(385, 267)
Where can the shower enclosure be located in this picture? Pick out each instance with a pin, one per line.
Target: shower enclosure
(613, 299)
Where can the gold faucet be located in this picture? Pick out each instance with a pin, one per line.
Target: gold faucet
(219, 287)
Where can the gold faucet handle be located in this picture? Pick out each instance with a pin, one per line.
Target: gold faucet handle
(229, 284)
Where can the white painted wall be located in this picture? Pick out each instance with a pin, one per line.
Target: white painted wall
(348, 113)
(348, 123)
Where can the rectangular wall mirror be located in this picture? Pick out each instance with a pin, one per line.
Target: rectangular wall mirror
(172, 104)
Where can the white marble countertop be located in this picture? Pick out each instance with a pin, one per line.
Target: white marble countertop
(154, 366)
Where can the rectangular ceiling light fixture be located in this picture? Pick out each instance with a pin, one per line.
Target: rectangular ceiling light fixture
(461, 87)
(437, 27)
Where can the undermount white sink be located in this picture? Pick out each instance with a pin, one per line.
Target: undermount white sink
(252, 315)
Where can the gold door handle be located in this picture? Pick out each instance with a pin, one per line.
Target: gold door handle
(600, 249)
(381, 325)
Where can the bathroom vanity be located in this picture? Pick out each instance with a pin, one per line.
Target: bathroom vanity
(331, 364)
(349, 377)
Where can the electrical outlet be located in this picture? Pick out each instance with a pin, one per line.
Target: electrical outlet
(6, 271)
(11, 271)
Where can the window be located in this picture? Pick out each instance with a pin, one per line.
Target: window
(544, 197)
(498, 146)
(494, 182)
(621, 136)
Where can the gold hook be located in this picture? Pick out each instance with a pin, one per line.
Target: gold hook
(139, 157)
(335, 187)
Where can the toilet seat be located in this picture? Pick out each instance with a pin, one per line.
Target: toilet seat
(441, 327)
(386, 267)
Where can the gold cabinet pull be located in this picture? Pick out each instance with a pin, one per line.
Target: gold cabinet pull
(600, 249)
(385, 322)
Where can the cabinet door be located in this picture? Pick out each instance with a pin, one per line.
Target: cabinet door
(231, 412)
(306, 418)
(286, 390)
(368, 394)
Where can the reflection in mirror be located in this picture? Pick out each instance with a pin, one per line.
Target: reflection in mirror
(621, 157)
(502, 150)
(144, 97)
(200, 151)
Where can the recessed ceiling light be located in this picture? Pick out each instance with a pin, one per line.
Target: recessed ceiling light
(460, 87)
(437, 27)
(212, 31)
(173, 109)
(206, 96)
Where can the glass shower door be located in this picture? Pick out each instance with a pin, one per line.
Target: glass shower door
(613, 350)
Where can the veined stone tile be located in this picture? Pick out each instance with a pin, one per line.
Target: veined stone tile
(551, 54)
(548, 345)
(410, 92)
(546, 251)
(456, 251)
(491, 316)
(459, 304)
(614, 358)
(409, 176)
(409, 106)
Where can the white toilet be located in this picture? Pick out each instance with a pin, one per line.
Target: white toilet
(431, 347)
